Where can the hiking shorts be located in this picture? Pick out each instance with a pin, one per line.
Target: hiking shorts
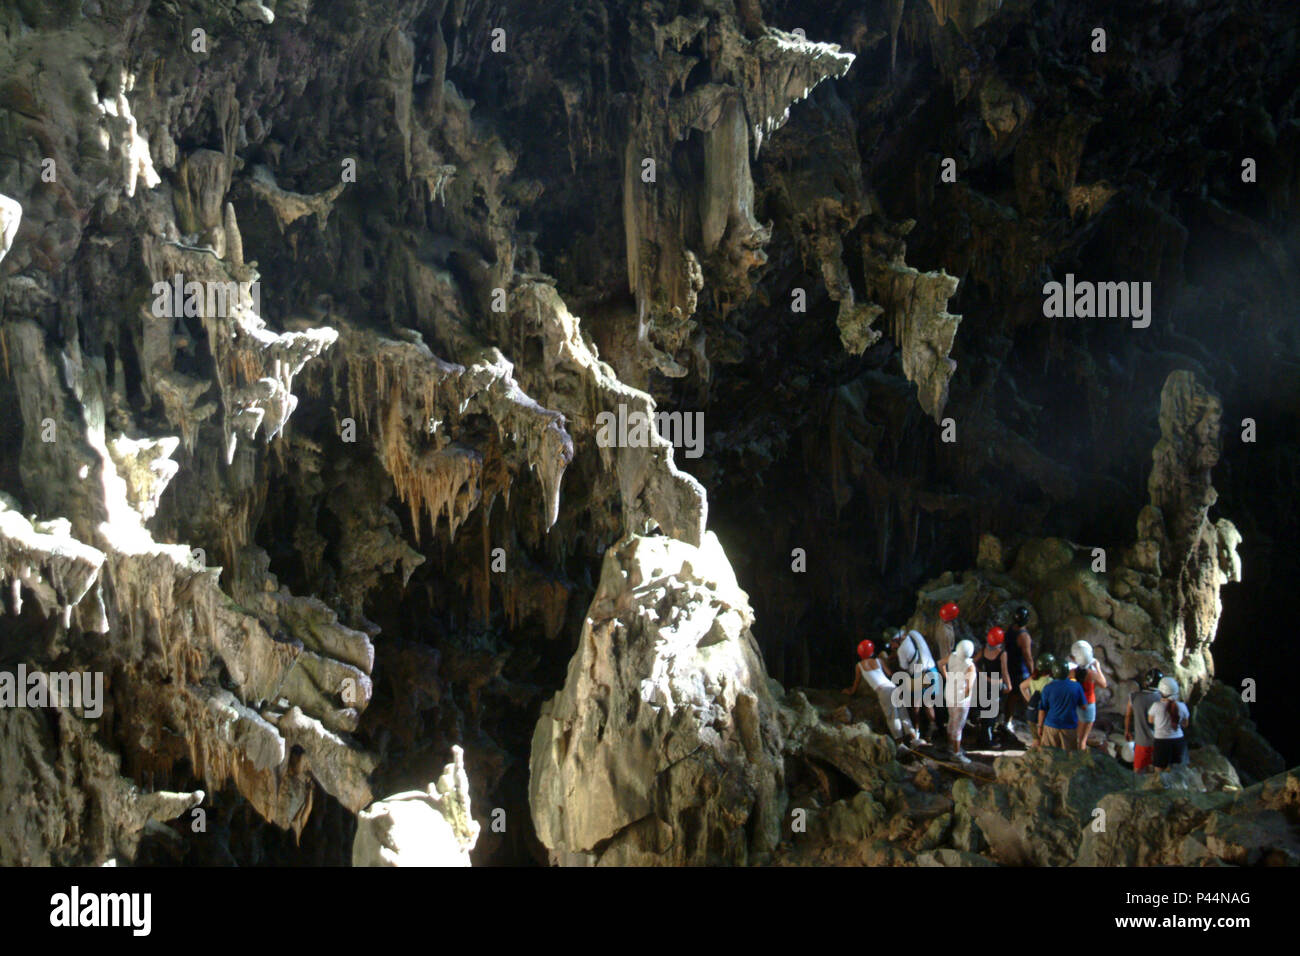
(1066, 738)
(921, 690)
(1142, 757)
(1169, 752)
(1086, 714)
(932, 690)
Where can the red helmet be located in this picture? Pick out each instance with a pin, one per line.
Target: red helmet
(995, 636)
(949, 611)
(866, 649)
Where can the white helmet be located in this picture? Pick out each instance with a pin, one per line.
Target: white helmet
(1169, 688)
(1081, 651)
(965, 649)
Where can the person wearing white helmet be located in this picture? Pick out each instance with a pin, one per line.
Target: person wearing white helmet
(1087, 671)
(1169, 716)
(959, 683)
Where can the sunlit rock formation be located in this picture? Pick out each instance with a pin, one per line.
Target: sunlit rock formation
(664, 746)
(421, 828)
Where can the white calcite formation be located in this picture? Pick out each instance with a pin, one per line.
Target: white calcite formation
(11, 214)
(431, 827)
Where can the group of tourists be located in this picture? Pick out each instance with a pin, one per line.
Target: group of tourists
(988, 687)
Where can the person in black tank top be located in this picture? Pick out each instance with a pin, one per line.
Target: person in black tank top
(994, 683)
(1020, 655)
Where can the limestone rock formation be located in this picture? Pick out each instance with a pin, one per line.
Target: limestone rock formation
(966, 14)
(290, 206)
(72, 802)
(1224, 724)
(664, 746)
(683, 233)
(44, 560)
(915, 309)
(1052, 808)
(1197, 556)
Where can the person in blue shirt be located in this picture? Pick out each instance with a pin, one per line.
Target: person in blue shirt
(1032, 689)
(1058, 721)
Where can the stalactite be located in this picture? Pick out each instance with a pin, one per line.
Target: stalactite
(420, 389)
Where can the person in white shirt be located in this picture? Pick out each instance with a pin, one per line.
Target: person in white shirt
(875, 673)
(959, 683)
(1169, 717)
(920, 687)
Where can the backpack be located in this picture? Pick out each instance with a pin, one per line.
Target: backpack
(917, 667)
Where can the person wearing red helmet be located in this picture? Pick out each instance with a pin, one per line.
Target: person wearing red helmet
(875, 673)
(945, 636)
(945, 632)
(994, 682)
(959, 693)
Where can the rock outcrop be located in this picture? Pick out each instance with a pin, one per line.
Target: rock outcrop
(664, 746)
(1036, 812)
(1251, 827)
(1196, 556)
(725, 92)
(72, 802)
(914, 305)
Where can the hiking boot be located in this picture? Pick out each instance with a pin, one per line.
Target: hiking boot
(961, 757)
